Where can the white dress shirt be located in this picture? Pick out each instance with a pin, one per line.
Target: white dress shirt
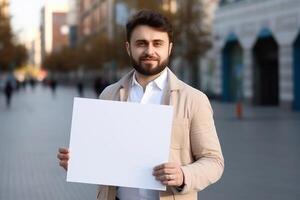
(153, 95)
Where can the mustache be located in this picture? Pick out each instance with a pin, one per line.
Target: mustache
(149, 57)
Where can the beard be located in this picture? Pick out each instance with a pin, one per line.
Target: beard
(148, 69)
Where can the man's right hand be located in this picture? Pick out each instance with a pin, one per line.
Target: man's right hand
(63, 156)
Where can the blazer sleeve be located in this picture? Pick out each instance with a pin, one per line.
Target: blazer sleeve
(205, 147)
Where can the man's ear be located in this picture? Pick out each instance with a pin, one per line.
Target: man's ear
(128, 48)
(170, 48)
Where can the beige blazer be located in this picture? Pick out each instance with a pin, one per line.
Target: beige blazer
(194, 142)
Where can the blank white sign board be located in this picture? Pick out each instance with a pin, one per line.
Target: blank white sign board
(118, 143)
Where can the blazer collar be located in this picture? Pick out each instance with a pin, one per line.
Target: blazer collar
(126, 80)
(125, 83)
(173, 82)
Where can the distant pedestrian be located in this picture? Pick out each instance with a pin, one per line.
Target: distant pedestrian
(18, 85)
(24, 84)
(80, 89)
(99, 85)
(53, 85)
(8, 90)
(32, 83)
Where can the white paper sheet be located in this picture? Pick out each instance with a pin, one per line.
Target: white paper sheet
(118, 143)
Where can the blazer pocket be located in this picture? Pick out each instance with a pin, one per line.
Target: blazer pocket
(180, 133)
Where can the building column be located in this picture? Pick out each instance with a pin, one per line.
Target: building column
(248, 73)
(286, 73)
(217, 81)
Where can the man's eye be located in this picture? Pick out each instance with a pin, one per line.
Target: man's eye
(157, 44)
(141, 44)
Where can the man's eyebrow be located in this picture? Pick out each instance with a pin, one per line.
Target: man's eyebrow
(159, 40)
(141, 40)
(146, 41)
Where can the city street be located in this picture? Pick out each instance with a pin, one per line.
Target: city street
(261, 151)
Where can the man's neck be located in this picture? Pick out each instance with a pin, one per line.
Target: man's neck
(143, 80)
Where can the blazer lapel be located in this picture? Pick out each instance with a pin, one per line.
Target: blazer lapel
(125, 85)
(173, 86)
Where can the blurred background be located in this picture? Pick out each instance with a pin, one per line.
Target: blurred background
(244, 54)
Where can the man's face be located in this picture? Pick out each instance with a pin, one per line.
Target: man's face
(149, 50)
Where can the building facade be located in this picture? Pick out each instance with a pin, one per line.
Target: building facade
(72, 20)
(4, 6)
(95, 16)
(34, 51)
(54, 29)
(256, 52)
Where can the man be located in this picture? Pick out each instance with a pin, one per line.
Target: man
(8, 91)
(195, 159)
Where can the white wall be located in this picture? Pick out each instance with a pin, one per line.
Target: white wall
(246, 19)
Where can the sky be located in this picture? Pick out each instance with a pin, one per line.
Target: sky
(26, 17)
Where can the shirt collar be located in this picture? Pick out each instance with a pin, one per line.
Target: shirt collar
(160, 81)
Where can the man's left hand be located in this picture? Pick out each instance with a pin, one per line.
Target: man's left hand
(169, 174)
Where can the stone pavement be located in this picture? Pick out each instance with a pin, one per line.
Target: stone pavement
(30, 133)
(261, 152)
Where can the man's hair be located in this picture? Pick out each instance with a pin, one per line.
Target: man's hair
(150, 18)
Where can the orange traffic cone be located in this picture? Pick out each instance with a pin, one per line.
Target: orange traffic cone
(239, 110)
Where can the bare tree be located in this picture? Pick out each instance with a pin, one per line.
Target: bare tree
(11, 53)
(193, 33)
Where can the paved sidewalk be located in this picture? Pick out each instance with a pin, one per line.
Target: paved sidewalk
(261, 152)
(30, 134)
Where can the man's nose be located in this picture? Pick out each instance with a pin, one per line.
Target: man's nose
(150, 49)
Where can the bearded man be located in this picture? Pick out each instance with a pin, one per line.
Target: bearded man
(196, 159)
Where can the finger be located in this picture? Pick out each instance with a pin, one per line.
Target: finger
(164, 171)
(165, 165)
(63, 150)
(166, 177)
(169, 183)
(63, 156)
(161, 178)
(64, 164)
